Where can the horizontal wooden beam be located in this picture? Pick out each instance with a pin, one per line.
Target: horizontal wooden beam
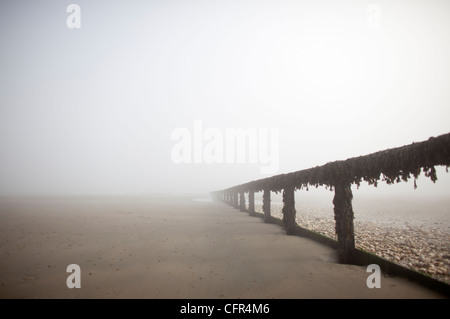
(392, 165)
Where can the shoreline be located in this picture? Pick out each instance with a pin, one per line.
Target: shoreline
(177, 247)
(424, 248)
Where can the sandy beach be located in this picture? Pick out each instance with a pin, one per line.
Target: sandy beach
(168, 247)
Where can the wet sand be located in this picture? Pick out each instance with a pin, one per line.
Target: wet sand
(168, 247)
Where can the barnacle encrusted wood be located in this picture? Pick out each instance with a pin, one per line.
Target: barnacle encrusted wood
(391, 166)
(242, 202)
(251, 202)
(343, 215)
(289, 210)
(266, 205)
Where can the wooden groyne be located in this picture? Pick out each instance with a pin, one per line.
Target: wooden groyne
(391, 166)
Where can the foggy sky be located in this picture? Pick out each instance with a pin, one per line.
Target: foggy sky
(92, 110)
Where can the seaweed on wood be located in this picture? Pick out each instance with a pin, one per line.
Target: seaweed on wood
(390, 166)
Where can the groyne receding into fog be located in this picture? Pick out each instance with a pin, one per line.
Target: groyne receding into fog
(391, 166)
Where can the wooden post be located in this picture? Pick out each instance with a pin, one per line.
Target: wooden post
(266, 205)
(242, 203)
(251, 202)
(343, 215)
(289, 210)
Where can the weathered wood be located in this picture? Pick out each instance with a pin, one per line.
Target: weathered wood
(391, 166)
(289, 210)
(266, 205)
(242, 202)
(343, 215)
(251, 202)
